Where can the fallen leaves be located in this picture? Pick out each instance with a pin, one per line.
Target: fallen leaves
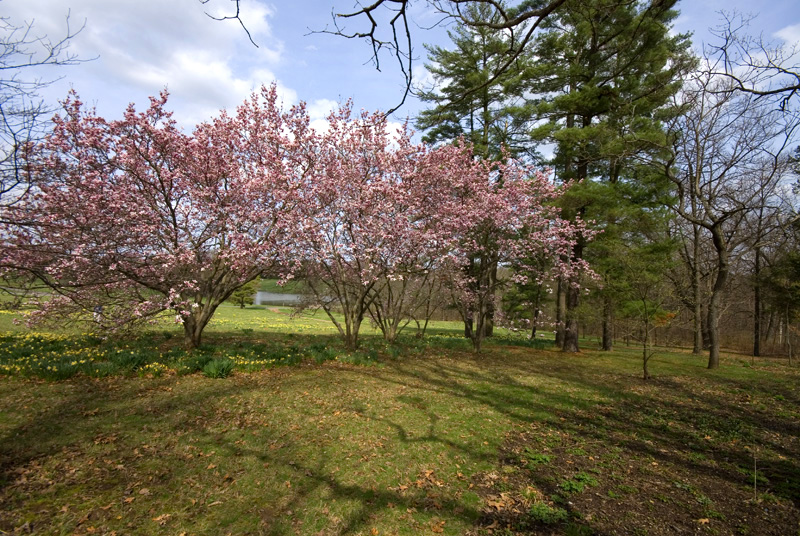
(426, 479)
(437, 526)
(162, 519)
(504, 501)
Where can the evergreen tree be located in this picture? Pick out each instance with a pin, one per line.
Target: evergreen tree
(604, 73)
(246, 294)
(464, 103)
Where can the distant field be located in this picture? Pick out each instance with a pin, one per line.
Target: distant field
(422, 437)
(271, 285)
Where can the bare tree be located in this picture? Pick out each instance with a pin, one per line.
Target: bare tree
(752, 64)
(236, 15)
(520, 22)
(389, 28)
(22, 111)
(691, 276)
(729, 155)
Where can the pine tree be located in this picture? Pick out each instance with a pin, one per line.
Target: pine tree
(604, 73)
(464, 104)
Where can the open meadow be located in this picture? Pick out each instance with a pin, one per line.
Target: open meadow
(422, 437)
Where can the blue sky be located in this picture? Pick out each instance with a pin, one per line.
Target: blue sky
(141, 46)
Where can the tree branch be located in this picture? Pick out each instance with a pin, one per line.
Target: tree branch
(236, 16)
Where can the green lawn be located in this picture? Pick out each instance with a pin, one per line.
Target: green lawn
(426, 438)
(271, 285)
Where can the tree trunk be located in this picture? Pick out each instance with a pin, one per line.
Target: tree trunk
(704, 329)
(195, 323)
(757, 305)
(573, 301)
(770, 326)
(468, 315)
(191, 335)
(480, 327)
(488, 324)
(574, 287)
(715, 304)
(571, 327)
(697, 310)
(789, 337)
(353, 317)
(468, 327)
(536, 310)
(608, 324)
(645, 352)
(561, 305)
(351, 335)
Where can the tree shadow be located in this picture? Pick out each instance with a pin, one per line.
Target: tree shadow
(665, 421)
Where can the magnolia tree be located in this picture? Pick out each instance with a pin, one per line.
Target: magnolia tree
(414, 297)
(135, 217)
(378, 213)
(508, 217)
(383, 214)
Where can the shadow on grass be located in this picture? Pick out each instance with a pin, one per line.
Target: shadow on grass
(288, 454)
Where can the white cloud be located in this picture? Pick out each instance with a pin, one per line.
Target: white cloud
(789, 35)
(143, 46)
(321, 108)
(255, 13)
(423, 78)
(321, 126)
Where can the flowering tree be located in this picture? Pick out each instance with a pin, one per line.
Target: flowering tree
(510, 217)
(413, 297)
(381, 213)
(375, 214)
(137, 217)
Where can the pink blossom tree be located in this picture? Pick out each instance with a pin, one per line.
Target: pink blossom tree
(382, 213)
(510, 216)
(138, 217)
(378, 214)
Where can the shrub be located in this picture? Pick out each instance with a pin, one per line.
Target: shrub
(578, 483)
(394, 351)
(129, 360)
(321, 352)
(218, 368)
(359, 358)
(55, 371)
(535, 458)
(156, 370)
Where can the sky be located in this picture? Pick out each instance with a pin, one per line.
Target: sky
(136, 48)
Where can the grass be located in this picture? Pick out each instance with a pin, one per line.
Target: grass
(290, 287)
(251, 339)
(426, 438)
